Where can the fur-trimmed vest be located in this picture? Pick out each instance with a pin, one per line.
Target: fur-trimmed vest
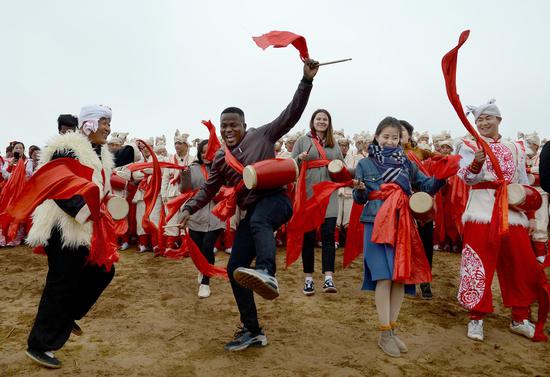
(511, 157)
(48, 215)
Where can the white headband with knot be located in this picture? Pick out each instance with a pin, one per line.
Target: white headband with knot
(90, 115)
(488, 109)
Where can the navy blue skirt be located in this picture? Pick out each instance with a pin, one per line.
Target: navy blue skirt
(378, 262)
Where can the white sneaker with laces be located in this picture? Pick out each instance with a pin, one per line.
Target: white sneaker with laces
(124, 246)
(475, 330)
(143, 249)
(525, 328)
(204, 291)
(541, 259)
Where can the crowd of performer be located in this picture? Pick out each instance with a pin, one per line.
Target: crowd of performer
(388, 163)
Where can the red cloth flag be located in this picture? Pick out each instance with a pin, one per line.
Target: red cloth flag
(213, 141)
(354, 239)
(279, 39)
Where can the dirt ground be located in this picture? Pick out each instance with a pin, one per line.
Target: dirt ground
(149, 322)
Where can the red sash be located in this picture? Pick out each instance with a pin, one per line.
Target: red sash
(394, 225)
(308, 214)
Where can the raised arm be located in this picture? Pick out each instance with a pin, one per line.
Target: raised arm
(291, 115)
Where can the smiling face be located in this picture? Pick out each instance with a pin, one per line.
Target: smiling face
(388, 137)
(487, 126)
(321, 123)
(232, 129)
(102, 133)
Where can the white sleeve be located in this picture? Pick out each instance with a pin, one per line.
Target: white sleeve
(469, 177)
(5, 173)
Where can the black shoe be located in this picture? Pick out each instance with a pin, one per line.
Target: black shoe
(329, 286)
(426, 291)
(46, 359)
(309, 288)
(259, 281)
(76, 329)
(244, 339)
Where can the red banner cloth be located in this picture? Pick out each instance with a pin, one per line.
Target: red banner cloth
(298, 224)
(354, 236)
(309, 216)
(279, 39)
(151, 196)
(213, 141)
(189, 247)
(59, 179)
(499, 223)
(175, 204)
(394, 226)
(64, 178)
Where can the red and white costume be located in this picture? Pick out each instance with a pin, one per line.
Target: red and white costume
(514, 259)
(170, 189)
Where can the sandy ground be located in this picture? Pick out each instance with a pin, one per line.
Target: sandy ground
(149, 322)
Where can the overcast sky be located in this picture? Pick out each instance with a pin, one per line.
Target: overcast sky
(163, 64)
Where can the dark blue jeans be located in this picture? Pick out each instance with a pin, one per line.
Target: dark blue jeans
(254, 239)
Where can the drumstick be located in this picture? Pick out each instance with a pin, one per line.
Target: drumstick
(171, 226)
(334, 62)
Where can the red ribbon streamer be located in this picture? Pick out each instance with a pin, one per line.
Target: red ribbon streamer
(500, 210)
(150, 197)
(280, 39)
(354, 240)
(213, 141)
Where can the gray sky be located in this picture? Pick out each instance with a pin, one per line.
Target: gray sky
(163, 64)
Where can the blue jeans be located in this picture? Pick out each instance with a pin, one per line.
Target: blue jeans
(254, 239)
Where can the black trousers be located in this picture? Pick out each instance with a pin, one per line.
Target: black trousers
(206, 242)
(426, 232)
(254, 239)
(72, 287)
(329, 250)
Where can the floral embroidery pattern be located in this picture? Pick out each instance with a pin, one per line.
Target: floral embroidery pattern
(506, 159)
(472, 279)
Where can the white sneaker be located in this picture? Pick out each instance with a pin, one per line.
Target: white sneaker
(525, 328)
(475, 330)
(228, 250)
(199, 278)
(541, 259)
(143, 249)
(124, 246)
(204, 291)
(215, 250)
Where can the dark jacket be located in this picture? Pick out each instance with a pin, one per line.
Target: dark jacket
(256, 145)
(544, 167)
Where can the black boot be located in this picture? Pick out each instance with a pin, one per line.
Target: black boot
(426, 291)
